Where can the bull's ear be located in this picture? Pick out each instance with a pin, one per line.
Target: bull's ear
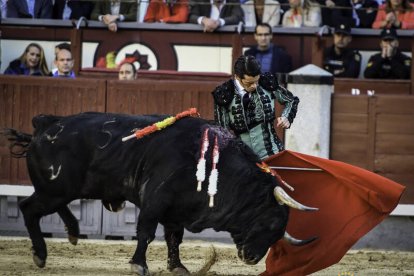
(283, 198)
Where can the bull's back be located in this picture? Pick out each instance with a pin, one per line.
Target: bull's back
(88, 153)
(67, 149)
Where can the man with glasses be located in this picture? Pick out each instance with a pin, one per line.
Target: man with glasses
(271, 57)
(391, 63)
(246, 106)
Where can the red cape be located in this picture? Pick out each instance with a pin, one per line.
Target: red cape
(351, 202)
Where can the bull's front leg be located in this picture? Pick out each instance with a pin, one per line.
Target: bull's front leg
(33, 209)
(145, 233)
(71, 224)
(174, 237)
(32, 219)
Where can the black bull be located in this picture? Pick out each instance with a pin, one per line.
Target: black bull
(82, 156)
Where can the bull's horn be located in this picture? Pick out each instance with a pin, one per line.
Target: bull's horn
(297, 242)
(283, 198)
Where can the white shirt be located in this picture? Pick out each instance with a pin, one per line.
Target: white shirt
(67, 11)
(115, 5)
(239, 88)
(3, 8)
(142, 9)
(30, 7)
(215, 13)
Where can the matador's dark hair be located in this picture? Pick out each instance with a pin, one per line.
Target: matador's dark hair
(247, 65)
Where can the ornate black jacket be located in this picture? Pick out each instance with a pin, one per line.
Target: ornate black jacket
(254, 124)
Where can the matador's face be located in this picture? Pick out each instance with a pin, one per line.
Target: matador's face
(249, 83)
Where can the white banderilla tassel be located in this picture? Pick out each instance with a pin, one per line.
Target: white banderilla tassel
(213, 179)
(201, 166)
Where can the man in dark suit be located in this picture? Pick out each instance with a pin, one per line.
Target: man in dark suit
(213, 16)
(72, 9)
(125, 11)
(271, 57)
(364, 12)
(29, 9)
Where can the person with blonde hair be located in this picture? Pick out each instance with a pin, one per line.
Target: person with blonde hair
(31, 63)
(398, 14)
(302, 13)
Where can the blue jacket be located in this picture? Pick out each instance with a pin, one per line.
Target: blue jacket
(18, 68)
(19, 9)
(78, 8)
(281, 61)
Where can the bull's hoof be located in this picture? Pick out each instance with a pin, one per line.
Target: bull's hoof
(141, 271)
(73, 240)
(39, 262)
(180, 271)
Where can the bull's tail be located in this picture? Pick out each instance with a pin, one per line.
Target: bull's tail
(19, 142)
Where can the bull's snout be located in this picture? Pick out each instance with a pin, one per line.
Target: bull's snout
(248, 258)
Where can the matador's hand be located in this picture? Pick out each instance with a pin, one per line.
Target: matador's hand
(283, 122)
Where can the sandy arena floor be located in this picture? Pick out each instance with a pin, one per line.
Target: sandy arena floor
(100, 257)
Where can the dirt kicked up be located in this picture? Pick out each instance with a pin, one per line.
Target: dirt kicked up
(100, 257)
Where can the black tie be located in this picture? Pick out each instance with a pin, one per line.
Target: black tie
(246, 100)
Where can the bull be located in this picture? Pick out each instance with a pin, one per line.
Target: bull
(83, 156)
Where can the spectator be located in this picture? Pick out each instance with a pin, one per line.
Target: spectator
(261, 11)
(271, 57)
(338, 59)
(284, 7)
(396, 14)
(127, 71)
(31, 63)
(167, 11)
(29, 9)
(336, 12)
(246, 106)
(212, 14)
(304, 13)
(64, 64)
(390, 63)
(110, 12)
(364, 12)
(72, 9)
(59, 47)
